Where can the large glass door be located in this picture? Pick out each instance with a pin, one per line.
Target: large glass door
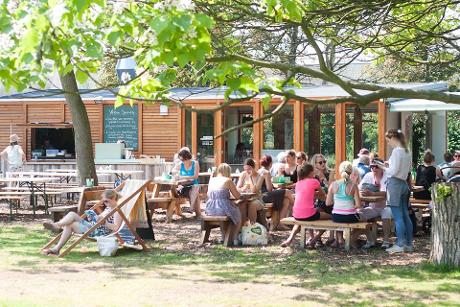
(238, 144)
(205, 140)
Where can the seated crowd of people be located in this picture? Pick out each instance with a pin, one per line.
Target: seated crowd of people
(313, 194)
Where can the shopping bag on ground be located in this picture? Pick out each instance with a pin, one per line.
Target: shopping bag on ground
(108, 246)
(255, 234)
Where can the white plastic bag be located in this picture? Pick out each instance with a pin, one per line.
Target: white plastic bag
(108, 246)
(255, 234)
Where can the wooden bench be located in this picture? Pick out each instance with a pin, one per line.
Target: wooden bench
(60, 211)
(13, 201)
(209, 222)
(329, 225)
(164, 202)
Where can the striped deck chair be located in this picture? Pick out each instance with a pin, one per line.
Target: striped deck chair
(131, 207)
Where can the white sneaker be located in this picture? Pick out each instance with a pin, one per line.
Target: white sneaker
(408, 249)
(395, 249)
(368, 245)
(385, 244)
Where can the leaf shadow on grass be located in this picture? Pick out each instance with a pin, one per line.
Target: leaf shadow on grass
(306, 270)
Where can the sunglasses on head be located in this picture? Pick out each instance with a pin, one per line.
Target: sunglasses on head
(321, 162)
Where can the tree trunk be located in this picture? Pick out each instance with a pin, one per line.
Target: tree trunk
(445, 227)
(82, 131)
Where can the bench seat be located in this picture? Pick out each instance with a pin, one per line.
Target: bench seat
(329, 225)
(209, 222)
(60, 211)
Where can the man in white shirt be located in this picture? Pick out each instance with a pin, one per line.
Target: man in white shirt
(374, 184)
(14, 155)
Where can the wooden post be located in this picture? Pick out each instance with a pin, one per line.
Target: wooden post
(298, 126)
(340, 141)
(382, 128)
(357, 131)
(194, 133)
(258, 130)
(445, 226)
(218, 143)
(314, 131)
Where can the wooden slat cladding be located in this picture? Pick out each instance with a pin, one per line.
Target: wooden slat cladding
(44, 113)
(96, 122)
(10, 115)
(159, 132)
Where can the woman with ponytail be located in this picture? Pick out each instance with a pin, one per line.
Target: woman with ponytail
(344, 195)
(398, 190)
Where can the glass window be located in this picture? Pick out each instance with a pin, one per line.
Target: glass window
(188, 129)
(205, 130)
(279, 130)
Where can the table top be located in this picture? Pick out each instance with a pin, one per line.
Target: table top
(28, 179)
(44, 174)
(417, 188)
(60, 170)
(117, 171)
(161, 180)
(206, 174)
(371, 199)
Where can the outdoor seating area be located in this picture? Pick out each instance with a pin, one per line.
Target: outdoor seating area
(229, 153)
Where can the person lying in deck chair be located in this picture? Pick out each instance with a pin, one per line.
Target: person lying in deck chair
(73, 223)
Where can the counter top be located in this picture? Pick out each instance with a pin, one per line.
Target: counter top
(97, 162)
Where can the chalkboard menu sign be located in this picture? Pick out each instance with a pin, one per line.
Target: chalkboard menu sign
(121, 124)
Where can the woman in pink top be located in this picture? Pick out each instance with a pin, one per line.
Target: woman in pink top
(304, 209)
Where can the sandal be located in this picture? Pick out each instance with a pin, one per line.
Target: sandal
(49, 252)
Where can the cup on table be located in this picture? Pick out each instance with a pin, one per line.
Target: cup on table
(89, 182)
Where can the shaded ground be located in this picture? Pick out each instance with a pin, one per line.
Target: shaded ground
(177, 271)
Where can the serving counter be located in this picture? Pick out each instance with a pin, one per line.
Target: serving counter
(150, 170)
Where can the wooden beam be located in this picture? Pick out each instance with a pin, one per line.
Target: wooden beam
(218, 143)
(140, 124)
(357, 131)
(258, 130)
(314, 132)
(382, 128)
(181, 127)
(340, 134)
(298, 126)
(194, 133)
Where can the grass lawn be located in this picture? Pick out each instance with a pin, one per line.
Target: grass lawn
(177, 272)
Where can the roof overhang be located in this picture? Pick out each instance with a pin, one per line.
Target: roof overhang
(422, 105)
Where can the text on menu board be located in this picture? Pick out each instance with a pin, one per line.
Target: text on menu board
(121, 124)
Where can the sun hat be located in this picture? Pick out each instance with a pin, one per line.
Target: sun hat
(14, 138)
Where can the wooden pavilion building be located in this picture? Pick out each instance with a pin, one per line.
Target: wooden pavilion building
(42, 120)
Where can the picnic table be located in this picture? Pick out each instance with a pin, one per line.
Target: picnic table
(34, 184)
(63, 176)
(371, 199)
(120, 174)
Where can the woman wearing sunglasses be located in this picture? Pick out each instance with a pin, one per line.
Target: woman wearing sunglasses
(322, 174)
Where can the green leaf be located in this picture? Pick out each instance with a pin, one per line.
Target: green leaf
(81, 76)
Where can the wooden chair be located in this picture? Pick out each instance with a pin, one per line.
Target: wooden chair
(133, 195)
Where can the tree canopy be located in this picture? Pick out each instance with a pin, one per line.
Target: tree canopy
(230, 43)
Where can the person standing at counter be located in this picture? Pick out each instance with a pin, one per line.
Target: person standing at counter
(14, 155)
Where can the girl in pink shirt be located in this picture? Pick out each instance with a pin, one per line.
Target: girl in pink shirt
(304, 209)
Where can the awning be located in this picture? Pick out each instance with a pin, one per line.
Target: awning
(421, 105)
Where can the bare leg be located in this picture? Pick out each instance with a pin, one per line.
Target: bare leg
(285, 208)
(197, 206)
(68, 219)
(66, 234)
(295, 230)
(252, 212)
(322, 216)
(243, 206)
